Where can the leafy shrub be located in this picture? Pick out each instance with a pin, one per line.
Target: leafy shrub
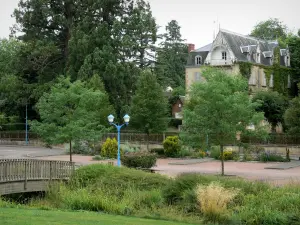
(158, 151)
(171, 146)
(139, 160)
(213, 200)
(110, 149)
(247, 157)
(82, 148)
(174, 191)
(229, 154)
(128, 148)
(215, 152)
(100, 175)
(99, 157)
(271, 157)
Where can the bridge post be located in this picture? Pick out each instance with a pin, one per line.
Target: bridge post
(50, 171)
(25, 176)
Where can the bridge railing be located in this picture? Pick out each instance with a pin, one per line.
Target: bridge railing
(28, 169)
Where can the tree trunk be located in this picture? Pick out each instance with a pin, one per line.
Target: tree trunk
(68, 13)
(148, 142)
(70, 151)
(222, 159)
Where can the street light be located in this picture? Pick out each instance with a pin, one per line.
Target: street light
(111, 121)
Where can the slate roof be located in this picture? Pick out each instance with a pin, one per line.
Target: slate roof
(241, 46)
(205, 48)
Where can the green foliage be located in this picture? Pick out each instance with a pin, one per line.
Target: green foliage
(172, 58)
(292, 117)
(143, 160)
(109, 148)
(71, 112)
(158, 151)
(210, 109)
(273, 105)
(271, 157)
(82, 148)
(245, 69)
(114, 178)
(172, 146)
(270, 29)
(293, 42)
(149, 106)
(229, 154)
(215, 152)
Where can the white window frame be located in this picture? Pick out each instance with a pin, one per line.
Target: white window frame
(224, 55)
(198, 60)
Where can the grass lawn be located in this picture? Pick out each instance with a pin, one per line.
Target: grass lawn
(13, 216)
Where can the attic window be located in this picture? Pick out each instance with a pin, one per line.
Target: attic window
(245, 49)
(283, 52)
(224, 55)
(198, 60)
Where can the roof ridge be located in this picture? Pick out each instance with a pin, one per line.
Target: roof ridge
(241, 35)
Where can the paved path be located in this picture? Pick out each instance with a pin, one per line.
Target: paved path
(249, 170)
(173, 167)
(16, 152)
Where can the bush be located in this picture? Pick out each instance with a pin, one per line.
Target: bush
(213, 200)
(271, 157)
(215, 152)
(158, 151)
(171, 146)
(144, 160)
(128, 148)
(82, 148)
(229, 154)
(110, 149)
(100, 175)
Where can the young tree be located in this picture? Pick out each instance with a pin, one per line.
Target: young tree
(149, 108)
(219, 108)
(273, 105)
(292, 116)
(71, 112)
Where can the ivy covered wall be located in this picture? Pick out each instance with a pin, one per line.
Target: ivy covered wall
(280, 74)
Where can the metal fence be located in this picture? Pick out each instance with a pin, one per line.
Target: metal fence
(142, 138)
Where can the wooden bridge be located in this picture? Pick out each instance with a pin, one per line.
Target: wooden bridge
(29, 175)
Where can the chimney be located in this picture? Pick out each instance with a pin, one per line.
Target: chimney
(191, 47)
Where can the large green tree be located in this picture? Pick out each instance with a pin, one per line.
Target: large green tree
(270, 29)
(273, 105)
(71, 112)
(149, 109)
(219, 108)
(172, 57)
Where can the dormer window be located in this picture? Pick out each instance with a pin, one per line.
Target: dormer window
(224, 55)
(198, 60)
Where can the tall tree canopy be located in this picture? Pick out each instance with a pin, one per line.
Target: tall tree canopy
(273, 105)
(270, 29)
(172, 57)
(219, 108)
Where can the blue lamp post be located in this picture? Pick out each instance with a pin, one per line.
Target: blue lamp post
(111, 121)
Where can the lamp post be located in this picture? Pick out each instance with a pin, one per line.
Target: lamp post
(111, 121)
(26, 127)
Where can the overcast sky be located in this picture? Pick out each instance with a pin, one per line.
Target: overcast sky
(196, 17)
